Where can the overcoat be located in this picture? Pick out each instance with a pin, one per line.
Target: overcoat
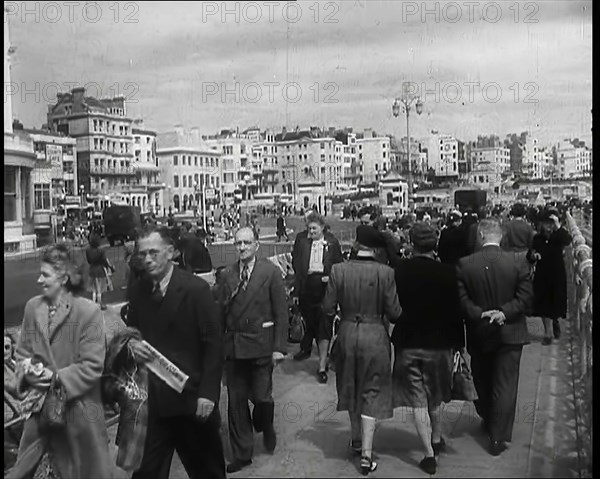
(74, 348)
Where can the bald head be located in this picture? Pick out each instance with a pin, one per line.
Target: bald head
(489, 231)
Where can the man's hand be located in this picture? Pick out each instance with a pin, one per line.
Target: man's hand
(277, 357)
(536, 256)
(141, 354)
(40, 381)
(498, 317)
(325, 279)
(204, 408)
(488, 314)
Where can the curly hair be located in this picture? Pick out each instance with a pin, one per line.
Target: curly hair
(59, 257)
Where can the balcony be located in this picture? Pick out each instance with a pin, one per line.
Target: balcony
(105, 170)
(270, 169)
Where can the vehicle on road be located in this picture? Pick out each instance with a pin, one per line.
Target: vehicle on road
(120, 223)
(474, 199)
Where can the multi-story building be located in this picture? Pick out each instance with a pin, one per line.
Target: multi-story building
(525, 159)
(320, 158)
(19, 161)
(104, 143)
(265, 172)
(490, 154)
(418, 156)
(189, 168)
(574, 159)
(375, 154)
(146, 188)
(352, 167)
(236, 159)
(443, 156)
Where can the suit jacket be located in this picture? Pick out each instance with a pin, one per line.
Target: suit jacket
(494, 279)
(301, 257)
(518, 235)
(247, 314)
(186, 328)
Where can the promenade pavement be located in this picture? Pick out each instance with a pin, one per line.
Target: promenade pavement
(313, 437)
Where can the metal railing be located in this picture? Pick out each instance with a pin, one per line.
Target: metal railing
(579, 264)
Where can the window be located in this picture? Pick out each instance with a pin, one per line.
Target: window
(41, 196)
(10, 193)
(184, 181)
(322, 146)
(196, 180)
(175, 160)
(176, 181)
(196, 161)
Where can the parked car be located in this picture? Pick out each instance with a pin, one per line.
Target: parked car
(120, 223)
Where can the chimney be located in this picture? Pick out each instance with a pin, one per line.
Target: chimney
(283, 131)
(78, 95)
(195, 135)
(17, 125)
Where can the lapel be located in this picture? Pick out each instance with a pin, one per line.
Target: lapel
(257, 279)
(173, 297)
(62, 313)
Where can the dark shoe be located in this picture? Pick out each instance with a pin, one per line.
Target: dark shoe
(238, 465)
(556, 328)
(103, 307)
(546, 341)
(356, 447)
(367, 465)
(301, 355)
(438, 446)
(497, 447)
(322, 376)
(270, 439)
(429, 465)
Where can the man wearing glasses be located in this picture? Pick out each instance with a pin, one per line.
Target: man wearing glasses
(253, 300)
(176, 313)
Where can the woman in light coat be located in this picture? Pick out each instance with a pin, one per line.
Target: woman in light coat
(65, 333)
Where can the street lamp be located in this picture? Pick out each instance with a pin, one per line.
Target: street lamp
(82, 193)
(407, 101)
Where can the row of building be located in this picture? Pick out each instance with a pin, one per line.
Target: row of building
(92, 153)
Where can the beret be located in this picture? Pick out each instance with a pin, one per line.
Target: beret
(368, 236)
(423, 235)
(455, 215)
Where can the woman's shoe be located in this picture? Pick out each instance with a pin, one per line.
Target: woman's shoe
(429, 465)
(556, 328)
(367, 465)
(322, 376)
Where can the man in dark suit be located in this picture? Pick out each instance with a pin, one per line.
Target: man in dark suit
(495, 292)
(281, 230)
(252, 297)
(176, 313)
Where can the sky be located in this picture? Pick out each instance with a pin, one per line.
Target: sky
(479, 67)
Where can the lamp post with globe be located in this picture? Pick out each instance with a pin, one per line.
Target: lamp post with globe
(406, 102)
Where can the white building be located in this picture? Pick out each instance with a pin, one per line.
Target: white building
(146, 188)
(442, 155)
(375, 155)
(393, 194)
(496, 158)
(189, 168)
(19, 161)
(574, 159)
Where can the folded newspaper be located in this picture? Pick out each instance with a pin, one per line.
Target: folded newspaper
(165, 369)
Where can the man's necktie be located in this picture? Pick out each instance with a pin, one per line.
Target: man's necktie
(157, 294)
(245, 276)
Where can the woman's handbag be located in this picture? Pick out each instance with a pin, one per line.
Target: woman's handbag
(297, 328)
(463, 388)
(54, 411)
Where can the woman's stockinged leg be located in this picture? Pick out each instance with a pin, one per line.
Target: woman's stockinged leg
(435, 416)
(323, 345)
(423, 425)
(368, 431)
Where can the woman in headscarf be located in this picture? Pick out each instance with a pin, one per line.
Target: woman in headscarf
(62, 335)
(365, 291)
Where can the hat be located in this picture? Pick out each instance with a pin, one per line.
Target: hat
(368, 236)
(455, 215)
(518, 209)
(545, 216)
(423, 236)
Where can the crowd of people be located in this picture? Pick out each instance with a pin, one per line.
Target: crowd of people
(370, 315)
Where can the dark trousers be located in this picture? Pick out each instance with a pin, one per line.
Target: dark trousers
(310, 307)
(496, 378)
(197, 443)
(248, 379)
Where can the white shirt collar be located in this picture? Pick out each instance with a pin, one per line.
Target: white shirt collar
(490, 243)
(250, 265)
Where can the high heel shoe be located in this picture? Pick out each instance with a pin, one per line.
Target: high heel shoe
(367, 465)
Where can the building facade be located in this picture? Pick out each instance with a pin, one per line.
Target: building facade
(191, 171)
(19, 162)
(146, 188)
(443, 156)
(574, 159)
(104, 144)
(375, 155)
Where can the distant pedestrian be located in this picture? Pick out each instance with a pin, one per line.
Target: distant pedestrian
(281, 228)
(100, 268)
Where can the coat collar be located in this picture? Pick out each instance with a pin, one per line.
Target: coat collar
(172, 298)
(257, 279)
